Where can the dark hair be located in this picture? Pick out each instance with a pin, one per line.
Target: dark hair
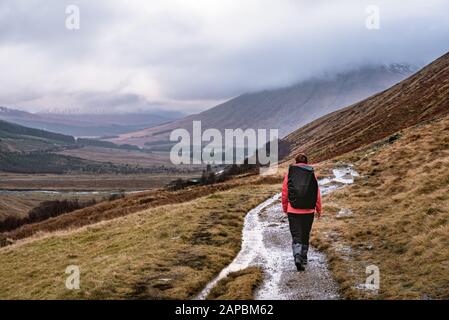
(301, 158)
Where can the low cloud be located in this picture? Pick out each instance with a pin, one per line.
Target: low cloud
(191, 54)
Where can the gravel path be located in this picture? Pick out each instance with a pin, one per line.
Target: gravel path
(267, 244)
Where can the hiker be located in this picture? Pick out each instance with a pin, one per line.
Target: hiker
(301, 199)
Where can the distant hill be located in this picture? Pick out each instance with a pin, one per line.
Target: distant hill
(88, 125)
(285, 109)
(48, 162)
(28, 150)
(422, 97)
(17, 138)
(7, 128)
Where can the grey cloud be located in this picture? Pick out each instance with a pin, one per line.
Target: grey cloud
(175, 54)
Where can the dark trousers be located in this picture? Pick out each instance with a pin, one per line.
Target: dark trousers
(300, 227)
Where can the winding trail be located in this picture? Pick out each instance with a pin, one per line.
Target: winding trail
(267, 244)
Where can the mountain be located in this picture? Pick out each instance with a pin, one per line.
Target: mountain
(17, 138)
(420, 98)
(29, 150)
(88, 125)
(285, 109)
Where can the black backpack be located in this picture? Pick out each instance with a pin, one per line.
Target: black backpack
(302, 187)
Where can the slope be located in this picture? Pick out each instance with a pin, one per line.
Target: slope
(422, 97)
(15, 137)
(395, 216)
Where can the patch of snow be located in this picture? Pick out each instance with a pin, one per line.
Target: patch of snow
(344, 213)
(345, 175)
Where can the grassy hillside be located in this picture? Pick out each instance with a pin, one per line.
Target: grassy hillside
(11, 129)
(16, 138)
(422, 97)
(13, 206)
(20, 204)
(400, 217)
(169, 251)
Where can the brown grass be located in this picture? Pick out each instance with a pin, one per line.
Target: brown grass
(13, 206)
(400, 217)
(239, 285)
(168, 252)
(19, 205)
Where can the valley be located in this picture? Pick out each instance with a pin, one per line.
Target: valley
(393, 216)
(281, 151)
(38, 166)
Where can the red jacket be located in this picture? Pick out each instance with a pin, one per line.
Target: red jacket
(286, 204)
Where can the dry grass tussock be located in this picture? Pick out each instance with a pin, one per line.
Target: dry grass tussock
(399, 220)
(240, 285)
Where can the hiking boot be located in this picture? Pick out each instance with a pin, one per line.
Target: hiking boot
(296, 247)
(304, 251)
(299, 263)
(297, 250)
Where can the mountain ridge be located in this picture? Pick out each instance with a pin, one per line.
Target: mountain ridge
(86, 125)
(419, 98)
(285, 108)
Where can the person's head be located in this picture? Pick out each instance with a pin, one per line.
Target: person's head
(301, 158)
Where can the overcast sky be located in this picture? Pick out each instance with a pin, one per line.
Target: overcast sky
(189, 55)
